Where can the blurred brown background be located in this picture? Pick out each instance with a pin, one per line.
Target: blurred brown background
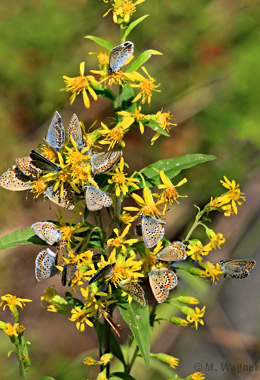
(210, 81)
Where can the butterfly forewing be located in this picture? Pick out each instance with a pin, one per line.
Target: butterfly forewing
(45, 265)
(173, 252)
(68, 273)
(42, 163)
(135, 291)
(56, 133)
(26, 167)
(47, 232)
(13, 179)
(161, 282)
(103, 162)
(237, 268)
(65, 200)
(75, 131)
(61, 253)
(97, 199)
(152, 230)
(119, 55)
(105, 272)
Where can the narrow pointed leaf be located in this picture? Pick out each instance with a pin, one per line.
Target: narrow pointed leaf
(121, 375)
(137, 318)
(23, 236)
(143, 57)
(156, 127)
(101, 42)
(171, 167)
(134, 24)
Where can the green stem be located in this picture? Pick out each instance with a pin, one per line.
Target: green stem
(107, 332)
(20, 358)
(117, 212)
(131, 363)
(195, 224)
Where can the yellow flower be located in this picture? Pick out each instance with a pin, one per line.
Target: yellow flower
(120, 180)
(168, 359)
(216, 240)
(81, 84)
(164, 120)
(196, 316)
(146, 87)
(122, 10)
(70, 231)
(196, 250)
(90, 361)
(136, 116)
(112, 136)
(103, 59)
(106, 358)
(14, 330)
(147, 204)
(116, 77)
(211, 271)
(119, 241)
(170, 194)
(81, 316)
(196, 376)
(79, 167)
(48, 152)
(13, 302)
(125, 268)
(127, 218)
(102, 376)
(38, 187)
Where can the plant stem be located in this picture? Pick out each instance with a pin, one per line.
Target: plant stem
(195, 224)
(107, 332)
(131, 363)
(20, 358)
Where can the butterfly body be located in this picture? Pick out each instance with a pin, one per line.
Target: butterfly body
(237, 268)
(119, 55)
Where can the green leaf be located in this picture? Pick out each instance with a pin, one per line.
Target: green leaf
(101, 42)
(121, 375)
(143, 57)
(156, 127)
(137, 318)
(24, 236)
(127, 96)
(171, 167)
(47, 378)
(106, 93)
(134, 24)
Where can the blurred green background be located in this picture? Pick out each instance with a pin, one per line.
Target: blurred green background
(210, 80)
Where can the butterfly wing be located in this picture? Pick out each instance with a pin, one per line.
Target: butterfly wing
(45, 265)
(239, 268)
(135, 291)
(56, 133)
(152, 230)
(75, 131)
(26, 167)
(42, 163)
(97, 199)
(65, 200)
(103, 162)
(161, 282)
(173, 252)
(13, 179)
(119, 55)
(68, 273)
(102, 273)
(61, 252)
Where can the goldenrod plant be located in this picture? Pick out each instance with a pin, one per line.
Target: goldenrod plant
(113, 255)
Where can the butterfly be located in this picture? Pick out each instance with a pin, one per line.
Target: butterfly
(26, 167)
(56, 133)
(239, 268)
(43, 163)
(67, 198)
(97, 199)
(47, 232)
(102, 273)
(75, 131)
(119, 55)
(61, 252)
(13, 179)
(103, 162)
(134, 290)
(176, 251)
(161, 282)
(45, 265)
(152, 230)
(68, 273)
